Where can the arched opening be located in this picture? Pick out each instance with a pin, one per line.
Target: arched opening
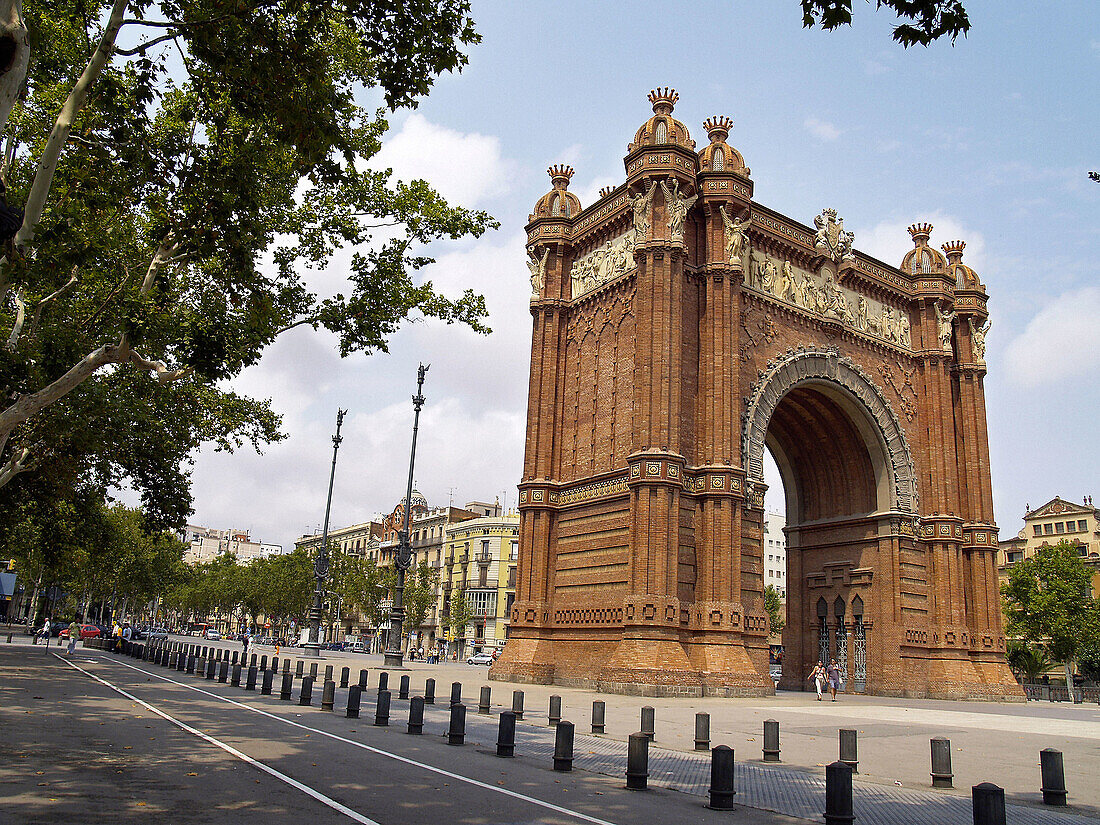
(831, 454)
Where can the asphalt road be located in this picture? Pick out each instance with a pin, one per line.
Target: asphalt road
(105, 739)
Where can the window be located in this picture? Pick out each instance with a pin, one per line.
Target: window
(511, 577)
(515, 550)
(1082, 525)
(1059, 527)
(1082, 549)
(1038, 528)
(718, 160)
(662, 132)
(485, 547)
(482, 602)
(1048, 529)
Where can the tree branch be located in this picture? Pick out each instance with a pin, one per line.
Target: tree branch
(148, 44)
(20, 317)
(74, 103)
(164, 375)
(49, 299)
(15, 465)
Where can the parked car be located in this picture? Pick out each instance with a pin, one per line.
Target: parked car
(154, 633)
(482, 658)
(87, 631)
(211, 635)
(355, 647)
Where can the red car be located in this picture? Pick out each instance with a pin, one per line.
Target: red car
(87, 631)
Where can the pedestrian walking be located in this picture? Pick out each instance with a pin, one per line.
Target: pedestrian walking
(74, 634)
(833, 672)
(819, 678)
(244, 644)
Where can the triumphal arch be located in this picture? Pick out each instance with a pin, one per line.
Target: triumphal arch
(682, 328)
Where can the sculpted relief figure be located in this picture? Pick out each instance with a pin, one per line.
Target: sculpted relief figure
(977, 338)
(904, 333)
(832, 238)
(641, 204)
(538, 271)
(677, 206)
(737, 237)
(944, 318)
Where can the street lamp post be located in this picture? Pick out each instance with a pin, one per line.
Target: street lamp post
(320, 566)
(394, 655)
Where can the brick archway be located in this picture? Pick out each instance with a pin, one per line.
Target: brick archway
(680, 328)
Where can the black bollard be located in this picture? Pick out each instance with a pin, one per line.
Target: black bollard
(723, 782)
(456, 733)
(299, 669)
(250, 682)
(637, 762)
(200, 668)
(173, 657)
(328, 695)
(305, 698)
(252, 662)
(838, 794)
(416, 716)
(848, 749)
(275, 664)
(363, 676)
(263, 662)
(941, 762)
(345, 675)
(383, 681)
(771, 740)
(1054, 777)
(517, 703)
(506, 734)
(598, 713)
(456, 693)
(223, 671)
(355, 693)
(484, 699)
(563, 746)
(702, 732)
(403, 691)
(286, 665)
(211, 669)
(234, 660)
(647, 722)
(554, 716)
(191, 663)
(235, 679)
(265, 685)
(328, 673)
(313, 671)
(989, 804)
(429, 692)
(382, 709)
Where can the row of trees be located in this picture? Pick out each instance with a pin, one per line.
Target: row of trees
(1052, 618)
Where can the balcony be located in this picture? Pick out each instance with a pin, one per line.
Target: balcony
(483, 558)
(488, 584)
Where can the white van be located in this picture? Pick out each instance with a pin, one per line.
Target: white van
(355, 647)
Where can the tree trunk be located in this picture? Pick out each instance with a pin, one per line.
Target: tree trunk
(15, 52)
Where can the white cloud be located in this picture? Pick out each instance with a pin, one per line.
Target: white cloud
(821, 129)
(1062, 341)
(465, 167)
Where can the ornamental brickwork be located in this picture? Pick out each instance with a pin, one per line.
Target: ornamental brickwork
(680, 328)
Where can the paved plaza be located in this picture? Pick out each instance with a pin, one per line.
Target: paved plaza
(998, 743)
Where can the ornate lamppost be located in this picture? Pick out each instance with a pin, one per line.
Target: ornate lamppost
(394, 656)
(320, 565)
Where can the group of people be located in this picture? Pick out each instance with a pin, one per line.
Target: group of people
(826, 677)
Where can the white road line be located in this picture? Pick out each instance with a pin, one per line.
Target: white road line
(387, 754)
(294, 783)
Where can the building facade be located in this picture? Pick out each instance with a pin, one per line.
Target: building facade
(680, 329)
(774, 552)
(480, 570)
(1056, 521)
(204, 544)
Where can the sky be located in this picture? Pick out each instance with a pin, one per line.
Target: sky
(989, 139)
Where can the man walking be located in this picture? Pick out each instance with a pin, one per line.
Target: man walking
(74, 634)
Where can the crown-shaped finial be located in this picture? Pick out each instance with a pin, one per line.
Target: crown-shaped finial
(954, 250)
(663, 100)
(717, 127)
(920, 233)
(606, 190)
(560, 175)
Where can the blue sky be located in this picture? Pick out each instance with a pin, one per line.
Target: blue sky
(989, 140)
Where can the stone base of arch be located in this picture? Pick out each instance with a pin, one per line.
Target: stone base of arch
(640, 664)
